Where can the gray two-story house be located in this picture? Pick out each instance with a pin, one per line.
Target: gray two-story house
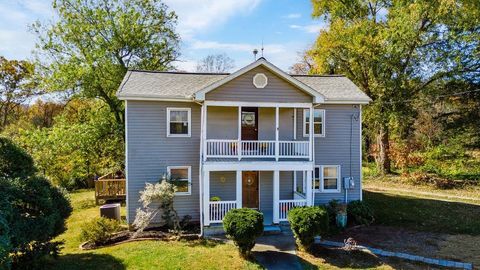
(257, 138)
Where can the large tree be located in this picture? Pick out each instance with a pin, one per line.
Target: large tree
(16, 86)
(92, 44)
(394, 50)
(215, 63)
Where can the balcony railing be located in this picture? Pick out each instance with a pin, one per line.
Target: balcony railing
(287, 205)
(256, 149)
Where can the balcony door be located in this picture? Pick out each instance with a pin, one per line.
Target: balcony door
(250, 189)
(249, 123)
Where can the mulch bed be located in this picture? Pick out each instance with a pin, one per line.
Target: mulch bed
(129, 236)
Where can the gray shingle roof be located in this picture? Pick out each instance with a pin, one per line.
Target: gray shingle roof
(178, 85)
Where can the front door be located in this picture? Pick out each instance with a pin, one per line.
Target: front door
(249, 123)
(250, 190)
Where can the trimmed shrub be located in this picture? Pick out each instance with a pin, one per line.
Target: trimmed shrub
(359, 213)
(14, 161)
(306, 223)
(243, 226)
(99, 230)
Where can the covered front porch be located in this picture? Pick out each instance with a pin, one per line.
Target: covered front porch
(272, 192)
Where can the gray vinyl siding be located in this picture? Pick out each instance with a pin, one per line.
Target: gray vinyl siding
(266, 191)
(286, 185)
(242, 89)
(150, 151)
(222, 123)
(334, 148)
(225, 190)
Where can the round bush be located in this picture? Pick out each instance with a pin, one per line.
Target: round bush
(306, 223)
(243, 226)
(99, 230)
(360, 213)
(14, 161)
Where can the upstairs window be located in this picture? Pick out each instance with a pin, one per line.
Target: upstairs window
(182, 178)
(318, 122)
(178, 122)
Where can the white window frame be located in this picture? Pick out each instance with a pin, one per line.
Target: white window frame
(189, 119)
(321, 179)
(189, 168)
(305, 131)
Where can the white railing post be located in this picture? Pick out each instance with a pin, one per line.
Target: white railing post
(311, 130)
(206, 198)
(239, 135)
(239, 189)
(276, 196)
(309, 188)
(204, 131)
(276, 134)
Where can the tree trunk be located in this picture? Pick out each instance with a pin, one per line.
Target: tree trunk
(383, 156)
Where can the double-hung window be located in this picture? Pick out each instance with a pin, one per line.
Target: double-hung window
(318, 122)
(327, 178)
(179, 122)
(181, 176)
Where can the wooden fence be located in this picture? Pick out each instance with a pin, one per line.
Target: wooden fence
(110, 189)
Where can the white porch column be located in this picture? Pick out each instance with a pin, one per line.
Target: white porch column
(204, 130)
(239, 189)
(309, 188)
(206, 198)
(276, 196)
(239, 143)
(277, 152)
(310, 132)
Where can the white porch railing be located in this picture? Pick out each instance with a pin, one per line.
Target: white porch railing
(256, 149)
(218, 210)
(294, 149)
(286, 205)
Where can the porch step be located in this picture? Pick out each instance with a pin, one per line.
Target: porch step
(271, 230)
(216, 230)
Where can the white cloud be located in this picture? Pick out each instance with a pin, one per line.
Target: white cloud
(293, 16)
(309, 28)
(202, 15)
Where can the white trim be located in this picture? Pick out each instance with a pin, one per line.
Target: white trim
(189, 170)
(238, 188)
(189, 119)
(258, 166)
(277, 145)
(317, 97)
(294, 123)
(361, 145)
(206, 197)
(259, 75)
(200, 168)
(321, 179)
(155, 98)
(256, 104)
(348, 101)
(305, 121)
(126, 161)
(239, 135)
(276, 196)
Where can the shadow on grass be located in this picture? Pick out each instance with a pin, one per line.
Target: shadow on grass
(86, 261)
(342, 258)
(209, 243)
(424, 214)
(280, 260)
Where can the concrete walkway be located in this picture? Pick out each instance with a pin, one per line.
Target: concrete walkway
(277, 251)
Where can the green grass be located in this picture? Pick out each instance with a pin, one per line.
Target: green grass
(424, 214)
(140, 255)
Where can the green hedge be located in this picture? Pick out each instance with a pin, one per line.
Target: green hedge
(243, 226)
(306, 223)
(359, 213)
(99, 230)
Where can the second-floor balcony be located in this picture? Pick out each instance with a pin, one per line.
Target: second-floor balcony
(267, 149)
(257, 131)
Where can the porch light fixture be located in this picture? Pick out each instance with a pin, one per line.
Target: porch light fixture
(260, 80)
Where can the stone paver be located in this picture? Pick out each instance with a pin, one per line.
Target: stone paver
(277, 252)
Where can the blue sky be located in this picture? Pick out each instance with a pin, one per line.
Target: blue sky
(234, 27)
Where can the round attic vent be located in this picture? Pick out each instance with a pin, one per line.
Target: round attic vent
(260, 80)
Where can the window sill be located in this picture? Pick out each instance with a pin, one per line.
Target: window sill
(179, 136)
(183, 193)
(328, 191)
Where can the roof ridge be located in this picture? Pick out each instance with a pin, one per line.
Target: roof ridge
(177, 72)
(317, 75)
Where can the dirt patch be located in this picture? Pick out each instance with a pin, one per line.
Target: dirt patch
(128, 236)
(464, 248)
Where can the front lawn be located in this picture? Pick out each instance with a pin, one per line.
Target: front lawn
(140, 255)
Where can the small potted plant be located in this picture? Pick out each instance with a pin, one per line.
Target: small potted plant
(341, 216)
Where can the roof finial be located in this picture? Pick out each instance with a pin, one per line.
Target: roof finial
(255, 51)
(262, 48)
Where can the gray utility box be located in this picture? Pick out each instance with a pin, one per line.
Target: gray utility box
(111, 211)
